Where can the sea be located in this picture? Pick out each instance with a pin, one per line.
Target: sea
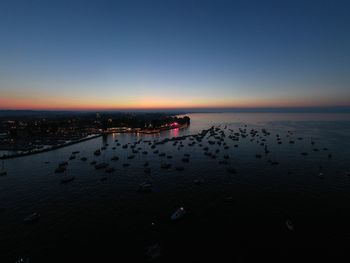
(287, 201)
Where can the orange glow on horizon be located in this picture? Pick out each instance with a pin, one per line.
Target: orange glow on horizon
(154, 103)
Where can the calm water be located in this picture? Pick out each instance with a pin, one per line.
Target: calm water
(228, 215)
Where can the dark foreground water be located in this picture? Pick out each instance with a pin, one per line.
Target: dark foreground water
(230, 217)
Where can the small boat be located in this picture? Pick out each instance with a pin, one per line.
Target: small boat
(147, 170)
(93, 162)
(72, 157)
(321, 175)
(60, 169)
(22, 260)
(83, 159)
(228, 199)
(63, 164)
(110, 170)
(197, 181)
(32, 218)
(231, 170)
(165, 165)
(115, 158)
(185, 160)
(66, 179)
(178, 214)
(145, 187)
(179, 168)
(101, 165)
(97, 152)
(126, 164)
(76, 152)
(2, 171)
(153, 252)
(289, 225)
(131, 157)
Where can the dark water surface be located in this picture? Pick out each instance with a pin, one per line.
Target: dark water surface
(232, 216)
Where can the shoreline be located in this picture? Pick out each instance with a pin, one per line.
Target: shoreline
(52, 148)
(4, 157)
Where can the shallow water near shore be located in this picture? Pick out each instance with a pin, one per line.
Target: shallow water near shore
(227, 214)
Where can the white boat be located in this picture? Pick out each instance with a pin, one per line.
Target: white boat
(179, 213)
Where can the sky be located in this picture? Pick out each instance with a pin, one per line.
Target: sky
(83, 54)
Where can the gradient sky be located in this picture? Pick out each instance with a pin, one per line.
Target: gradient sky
(173, 54)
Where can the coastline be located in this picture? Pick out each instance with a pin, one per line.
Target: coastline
(4, 157)
(120, 130)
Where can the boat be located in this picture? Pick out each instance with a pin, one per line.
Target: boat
(110, 170)
(63, 164)
(60, 169)
(145, 187)
(289, 225)
(153, 252)
(97, 152)
(101, 165)
(93, 162)
(32, 218)
(178, 214)
(72, 157)
(67, 178)
(179, 168)
(83, 159)
(2, 171)
(115, 158)
(22, 260)
(197, 181)
(231, 170)
(165, 165)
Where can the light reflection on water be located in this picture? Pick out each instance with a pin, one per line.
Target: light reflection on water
(89, 211)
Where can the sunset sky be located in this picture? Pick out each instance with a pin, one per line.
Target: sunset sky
(173, 54)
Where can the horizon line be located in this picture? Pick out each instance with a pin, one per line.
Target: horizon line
(187, 109)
